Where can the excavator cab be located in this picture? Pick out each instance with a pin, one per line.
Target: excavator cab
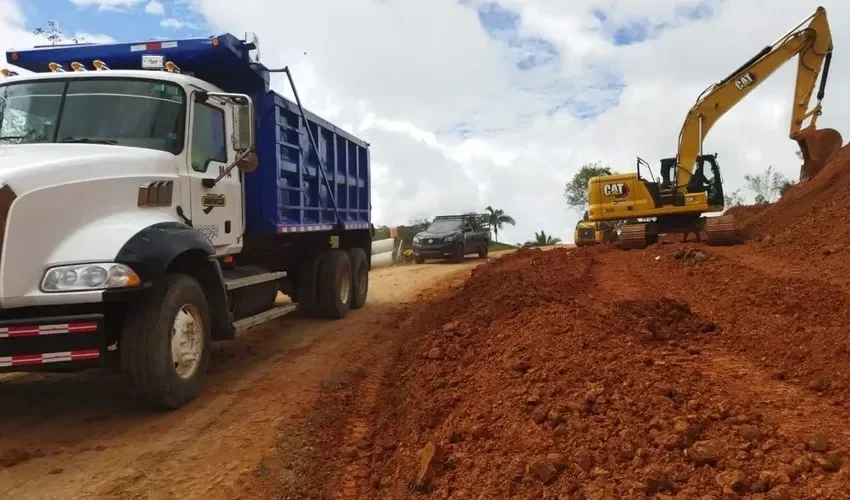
(715, 182)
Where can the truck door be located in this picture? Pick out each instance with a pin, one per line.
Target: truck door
(217, 211)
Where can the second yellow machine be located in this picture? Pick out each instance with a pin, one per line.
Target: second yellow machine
(690, 184)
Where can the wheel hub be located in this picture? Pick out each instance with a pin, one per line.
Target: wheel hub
(344, 285)
(187, 337)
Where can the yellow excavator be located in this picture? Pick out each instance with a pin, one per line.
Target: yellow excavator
(675, 202)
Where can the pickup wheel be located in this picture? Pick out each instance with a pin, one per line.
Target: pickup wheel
(482, 252)
(165, 345)
(460, 253)
(419, 260)
(306, 287)
(360, 277)
(335, 285)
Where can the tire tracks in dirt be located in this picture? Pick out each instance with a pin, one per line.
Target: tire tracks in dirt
(356, 436)
(81, 436)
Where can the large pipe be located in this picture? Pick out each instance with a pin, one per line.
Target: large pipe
(381, 246)
(383, 259)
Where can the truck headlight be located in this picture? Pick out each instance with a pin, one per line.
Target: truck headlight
(451, 237)
(416, 239)
(96, 276)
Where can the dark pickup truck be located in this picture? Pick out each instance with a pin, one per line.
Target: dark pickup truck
(453, 236)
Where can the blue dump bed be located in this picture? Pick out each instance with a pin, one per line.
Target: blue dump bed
(287, 192)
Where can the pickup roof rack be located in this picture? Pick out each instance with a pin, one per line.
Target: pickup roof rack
(482, 220)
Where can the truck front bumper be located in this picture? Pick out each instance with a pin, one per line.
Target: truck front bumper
(437, 251)
(51, 342)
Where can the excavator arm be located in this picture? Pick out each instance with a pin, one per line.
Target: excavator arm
(812, 41)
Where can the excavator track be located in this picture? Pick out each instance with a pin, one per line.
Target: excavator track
(632, 236)
(722, 230)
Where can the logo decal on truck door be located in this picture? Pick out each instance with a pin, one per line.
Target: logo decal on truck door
(210, 201)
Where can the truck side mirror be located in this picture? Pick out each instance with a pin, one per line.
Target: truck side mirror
(243, 127)
(248, 163)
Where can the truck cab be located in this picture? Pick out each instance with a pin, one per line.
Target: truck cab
(147, 209)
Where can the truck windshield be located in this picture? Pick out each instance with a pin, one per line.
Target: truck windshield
(128, 112)
(444, 225)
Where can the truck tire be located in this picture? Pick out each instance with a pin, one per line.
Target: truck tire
(359, 277)
(172, 321)
(335, 285)
(419, 260)
(482, 252)
(306, 287)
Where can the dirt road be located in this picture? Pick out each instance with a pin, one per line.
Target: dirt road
(80, 435)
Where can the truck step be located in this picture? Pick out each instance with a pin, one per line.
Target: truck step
(251, 321)
(240, 282)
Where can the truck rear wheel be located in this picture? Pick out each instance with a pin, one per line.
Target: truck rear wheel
(306, 286)
(482, 252)
(360, 277)
(165, 345)
(335, 285)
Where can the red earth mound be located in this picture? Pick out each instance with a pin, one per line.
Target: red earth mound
(810, 215)
(530, 381)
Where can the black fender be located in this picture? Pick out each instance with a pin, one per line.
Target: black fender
(152, 250)
(174, 246)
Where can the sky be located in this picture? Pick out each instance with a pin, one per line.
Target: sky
(470, 103)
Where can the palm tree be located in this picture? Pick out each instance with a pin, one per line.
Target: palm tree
(497, 219)
(542, 239)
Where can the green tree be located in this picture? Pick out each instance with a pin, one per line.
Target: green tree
(542, 239)
(576, 190)
(767, 186)
(497, 219)
(53, 33)
(734, 199)
(381, 233)
(406, 233)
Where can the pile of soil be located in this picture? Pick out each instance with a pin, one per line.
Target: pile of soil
(809, 222)
(788, 324)
(530, 381)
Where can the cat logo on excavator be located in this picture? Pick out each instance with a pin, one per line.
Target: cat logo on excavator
(745, 81)
(620, 189)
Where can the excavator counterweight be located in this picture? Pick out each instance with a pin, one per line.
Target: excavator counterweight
(818, 147)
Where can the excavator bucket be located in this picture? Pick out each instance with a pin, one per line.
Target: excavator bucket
(818, 148)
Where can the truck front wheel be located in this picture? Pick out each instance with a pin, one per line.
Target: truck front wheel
(165, 345)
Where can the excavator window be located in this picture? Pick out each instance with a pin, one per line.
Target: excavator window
(668, 173)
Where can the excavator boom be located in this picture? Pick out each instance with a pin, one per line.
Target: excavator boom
(811, 40)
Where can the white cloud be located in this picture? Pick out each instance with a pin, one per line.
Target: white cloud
(413, 75)
(93, 38)
(156, 8)
(106, 4)
(172, 23)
